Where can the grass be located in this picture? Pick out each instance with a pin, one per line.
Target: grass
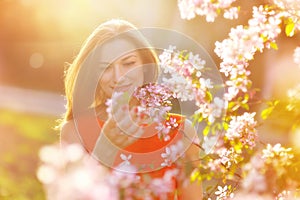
(21, 137)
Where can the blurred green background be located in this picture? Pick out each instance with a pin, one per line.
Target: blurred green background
(38, 38)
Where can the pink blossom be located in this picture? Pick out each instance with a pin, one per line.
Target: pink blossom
(172, 153)
(210, 9)
(231, 13)
(223, 193)
(73, 174)
(243, 128)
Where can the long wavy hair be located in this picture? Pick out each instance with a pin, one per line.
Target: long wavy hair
(104, 32)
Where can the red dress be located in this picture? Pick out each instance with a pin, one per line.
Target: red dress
(144, 153)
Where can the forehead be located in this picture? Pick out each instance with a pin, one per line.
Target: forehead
(113, 49)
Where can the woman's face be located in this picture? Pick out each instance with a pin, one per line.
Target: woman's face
(122, 67)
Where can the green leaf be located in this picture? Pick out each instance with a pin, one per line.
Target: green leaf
(289, 28)
(209, 96)
(216, 127)
(274, 45)
(195, 176)
(206, 130)
(246, 97)
(245, 106)
(225, 126)
(266, 112)
(230, 105)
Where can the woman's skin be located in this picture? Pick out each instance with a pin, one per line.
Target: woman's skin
(125, 73)
(120, 129)
(122, 75)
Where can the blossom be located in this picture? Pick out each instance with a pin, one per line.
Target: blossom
(205, 83)
(255, 179)
(125, 159)
(244, 41)
(287, 195)
(223, 193)
(73, 174)
(124, 176)
(227, 157)
(181, 80)
(231, 13)
(190, 8)
(172, 153)
(209, 142)
(164, 185)
(153, 95)
(180, 86)
(187, 9)
(165, 128)
(243, 128)
(277, 154)
(211, 111)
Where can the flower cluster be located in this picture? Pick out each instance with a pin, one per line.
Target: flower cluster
(172, 153)
(211, 111)
(153, 96)
(244, 42)
(211, 9)
(181, 69)
(277, 155)
(68, 172)
(242, 129)
(290, 12)
(184, 76)
(255, 179)
(259, 172)
(224, 193)
(155, 102)
(165, 127)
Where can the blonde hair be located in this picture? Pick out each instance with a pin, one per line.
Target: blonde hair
(106, 31)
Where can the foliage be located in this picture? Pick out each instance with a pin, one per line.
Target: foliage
(20, 137)
(262, 170)
(234, 156)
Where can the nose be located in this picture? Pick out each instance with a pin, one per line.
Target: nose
(117, 72)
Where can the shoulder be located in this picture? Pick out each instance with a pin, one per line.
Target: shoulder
(68, 133)
(191, 136)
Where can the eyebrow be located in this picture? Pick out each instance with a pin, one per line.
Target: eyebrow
(127, 57)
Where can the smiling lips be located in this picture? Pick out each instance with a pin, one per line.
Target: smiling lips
(122, 88)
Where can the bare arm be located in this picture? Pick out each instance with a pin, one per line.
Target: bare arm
(119, 131)
(191, 190)
(68, 134)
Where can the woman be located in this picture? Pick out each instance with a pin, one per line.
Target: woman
(117, 58)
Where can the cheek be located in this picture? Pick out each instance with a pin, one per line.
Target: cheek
(137, 75)
(104, 83)
(105, 78)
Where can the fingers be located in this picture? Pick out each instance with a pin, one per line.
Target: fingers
(121, 129)
(126, 120)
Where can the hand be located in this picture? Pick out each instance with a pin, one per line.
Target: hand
(123, 126)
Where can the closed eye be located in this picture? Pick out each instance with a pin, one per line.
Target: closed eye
(128, 64)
